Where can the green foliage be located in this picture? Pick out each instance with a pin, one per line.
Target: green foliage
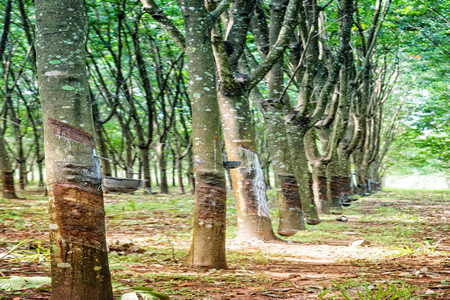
(424, 248)
(15, 283)
(420, 31)
(367, 291)
(145, 292)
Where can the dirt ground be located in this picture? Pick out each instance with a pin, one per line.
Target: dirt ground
(148, 237)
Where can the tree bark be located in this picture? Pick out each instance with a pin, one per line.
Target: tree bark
(289, 204)
(9, 191)
(5, 164)
(300, 168)
(250, 195)
(190, 172)
(249, 190)
(79, 261)
(164, 187)
(208, 242)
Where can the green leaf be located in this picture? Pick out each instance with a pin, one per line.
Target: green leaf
(68, 88)
(54, 62)
(149, 294)
(36, 282)
(143, 288)
(116, 284)
(129, 296)
(12, 284)
(15, 283)
(118, 268)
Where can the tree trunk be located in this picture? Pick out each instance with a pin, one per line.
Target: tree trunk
(253, 215)
(174, 168)
(300, 168)
(146, 169)
(361, 172)
(208, 242)
(144, 144)
(289, 204)
(129, 152)
(190, 172)
(8, 185)
(41, 172)
(180, 175)
(20, 156)
(79, 260)
(337, 179)
(319, 177)
(164, 187)
(21, 160)
(9, 191)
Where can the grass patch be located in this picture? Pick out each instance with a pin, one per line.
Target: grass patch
(352, 290)
(149, 237)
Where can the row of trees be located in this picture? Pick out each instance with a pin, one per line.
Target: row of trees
(194, 83)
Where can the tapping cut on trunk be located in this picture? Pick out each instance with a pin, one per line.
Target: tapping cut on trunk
(70, 132)
(211, 195)
(74, 203)
(87, 175)
(8, 185)
(291, 214)
(289, 188)
(252, 204)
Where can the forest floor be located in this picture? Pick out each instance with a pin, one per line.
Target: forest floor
(149, 236)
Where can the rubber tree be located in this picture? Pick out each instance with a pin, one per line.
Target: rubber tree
(328, 132)
(7, 172)
(233, 99)
(289, 203)
(144, 142)
(208, 241)
(319, 76)
(5, 163)
(79, 261)
(367, 92)
(14, 112)
(234, 89)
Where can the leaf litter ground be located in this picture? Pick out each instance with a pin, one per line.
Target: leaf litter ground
(149, 236)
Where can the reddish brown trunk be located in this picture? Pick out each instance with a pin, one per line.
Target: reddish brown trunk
(211, 193)
(338, 192)
(77, 229)
(9, 191)
(209, 222)
(345, 186)
(290, 217)
(324, 206)
(74, 203)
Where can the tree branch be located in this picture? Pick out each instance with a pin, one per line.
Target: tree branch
(290, 21)
(300, 63)
(325, 5)
(223, 6)
(224, 72)
(150, 7)
(236, 32)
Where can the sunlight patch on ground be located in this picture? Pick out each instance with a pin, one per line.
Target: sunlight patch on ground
(416, 182)
(314, 253)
